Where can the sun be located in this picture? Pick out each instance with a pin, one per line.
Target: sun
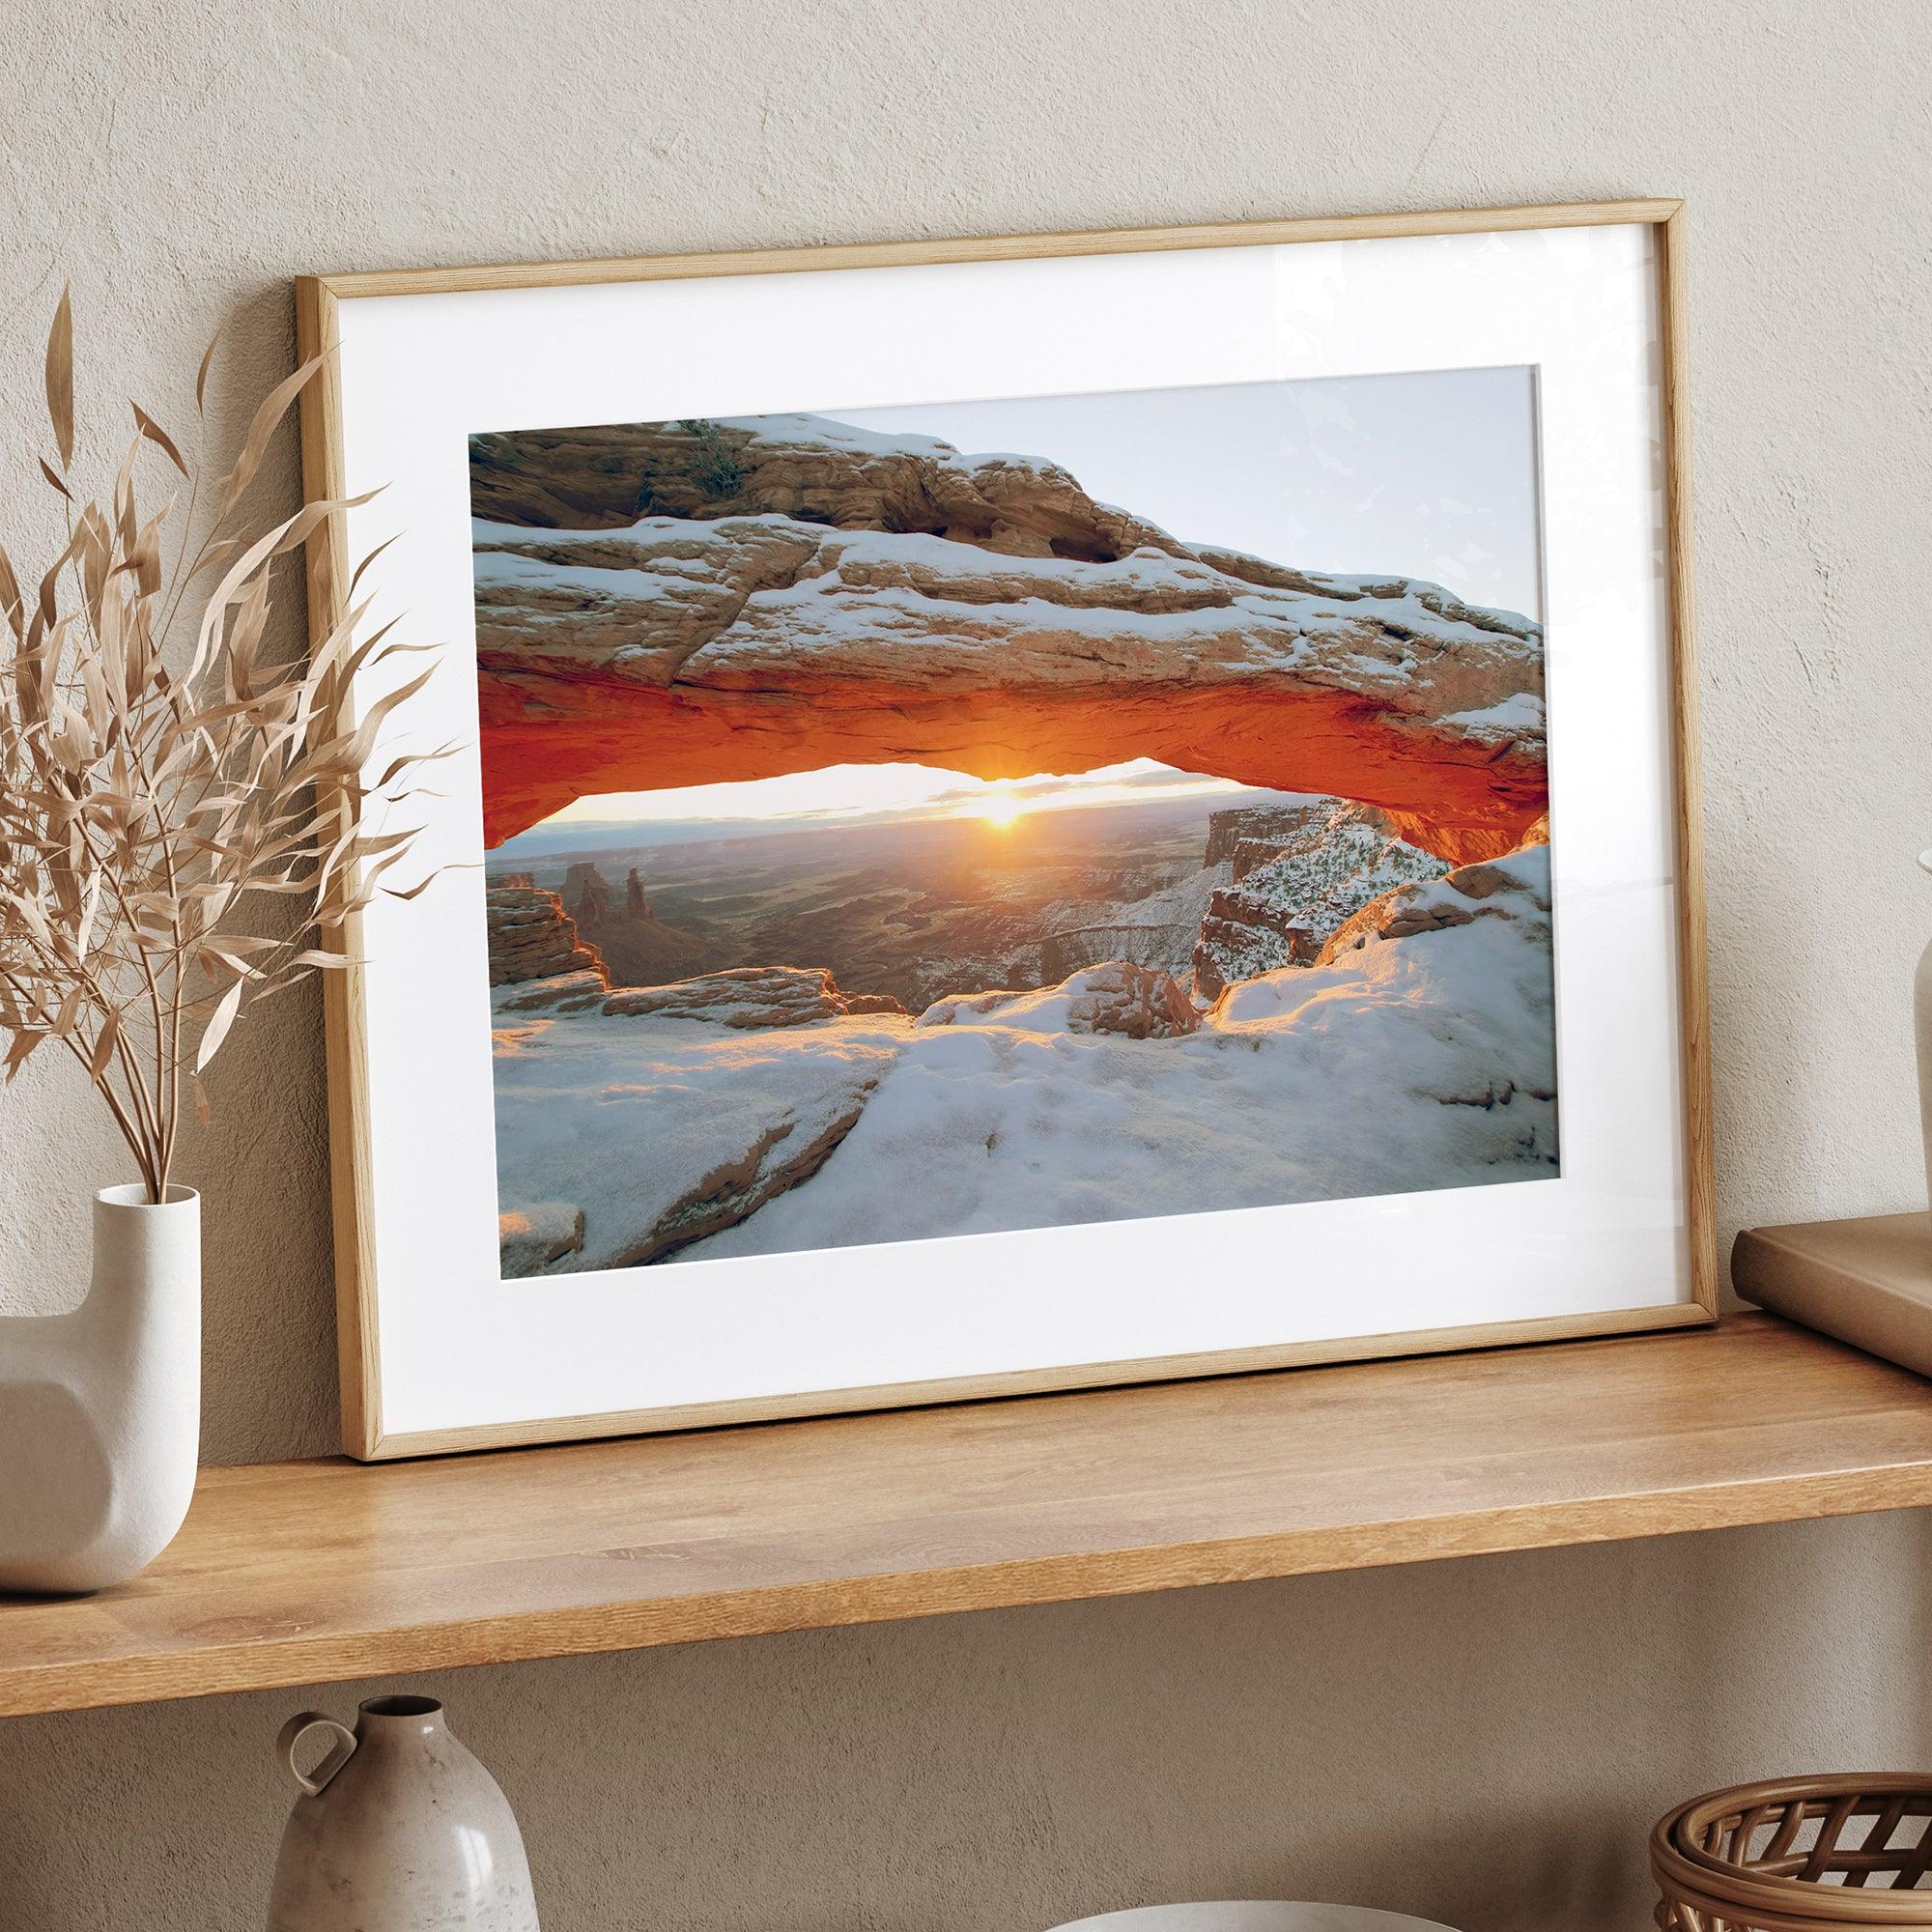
(1000, 810)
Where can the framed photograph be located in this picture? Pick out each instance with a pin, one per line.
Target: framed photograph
(1023, 814)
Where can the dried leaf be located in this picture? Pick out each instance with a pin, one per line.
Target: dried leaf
(274, 406)
(201, 375)
(216, 553)
(246, 638)
(60, 379)
(103, 1046)
(158, 435)
(303, 525)
(89, 907)
(47, 470)
(124, 493)
(10, 605)
(228, 589)
(93, 546)
(201, 1111)
(144, 556)
(356, 576)
(217, 1030)
(282, 986)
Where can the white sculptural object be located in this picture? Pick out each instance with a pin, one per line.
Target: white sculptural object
(100, 1407)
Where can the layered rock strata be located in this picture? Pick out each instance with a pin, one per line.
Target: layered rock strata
(530, 937)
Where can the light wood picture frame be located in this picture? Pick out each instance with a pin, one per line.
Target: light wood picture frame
(415, 1378)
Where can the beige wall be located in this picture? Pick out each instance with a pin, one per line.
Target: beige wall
(1480, 1742)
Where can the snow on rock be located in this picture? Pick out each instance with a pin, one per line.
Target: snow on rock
(533, 1239)
(1515, 887)
(658, 1133)
(1515, 715)
(567, 993)
(1299, 873)
(678, 604)
(1116, 997)
(626, 608)
(1157, 928)
(750, 996)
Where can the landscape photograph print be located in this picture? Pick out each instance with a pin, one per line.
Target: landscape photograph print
(920, 822)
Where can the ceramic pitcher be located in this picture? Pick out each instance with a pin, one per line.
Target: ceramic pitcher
(397, 1830)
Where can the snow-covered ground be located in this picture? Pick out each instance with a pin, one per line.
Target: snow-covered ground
(653, 1126)
(1416, 1062)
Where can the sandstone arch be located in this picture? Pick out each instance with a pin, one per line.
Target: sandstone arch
(678, 604)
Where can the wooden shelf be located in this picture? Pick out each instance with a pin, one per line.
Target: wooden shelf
(296, 1573)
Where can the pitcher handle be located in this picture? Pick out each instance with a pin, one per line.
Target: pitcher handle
(339, 1752)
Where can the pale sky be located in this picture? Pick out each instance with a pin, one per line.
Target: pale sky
(1430, 474)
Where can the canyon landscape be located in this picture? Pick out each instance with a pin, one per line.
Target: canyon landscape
(888, 842)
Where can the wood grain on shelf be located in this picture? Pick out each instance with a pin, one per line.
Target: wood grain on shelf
(303, 1572)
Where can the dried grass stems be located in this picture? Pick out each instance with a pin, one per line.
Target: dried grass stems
(143, 814)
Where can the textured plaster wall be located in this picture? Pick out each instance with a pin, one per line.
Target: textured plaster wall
(1479, 1742)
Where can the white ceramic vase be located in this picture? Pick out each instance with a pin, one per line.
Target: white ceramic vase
(1922, 1013)
(101, 1409)
(399, 1829)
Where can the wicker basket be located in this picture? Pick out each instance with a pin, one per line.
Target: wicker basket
(1798, 1855)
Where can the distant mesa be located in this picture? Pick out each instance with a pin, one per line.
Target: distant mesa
(638, 948)
(586, 894)
(679, 604)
